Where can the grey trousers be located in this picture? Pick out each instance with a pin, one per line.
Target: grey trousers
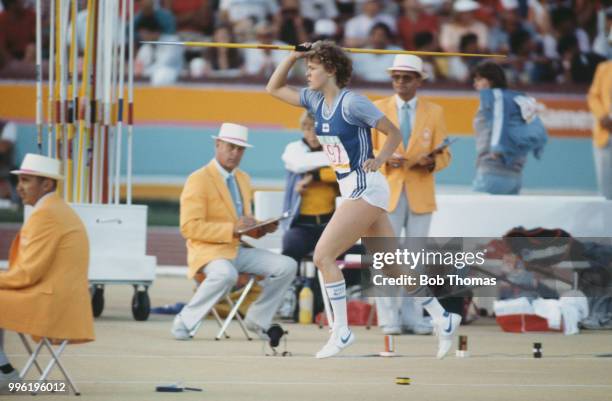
(3, 359)
(603, 169)
(403, 310)
(221, 275)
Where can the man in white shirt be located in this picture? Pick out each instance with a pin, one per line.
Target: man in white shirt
(261, 63)
(367, 66)
(358, 28)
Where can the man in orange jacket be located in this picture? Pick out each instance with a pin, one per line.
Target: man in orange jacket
(410, 174)
(45, 291)
(215, 210)
(600, 103)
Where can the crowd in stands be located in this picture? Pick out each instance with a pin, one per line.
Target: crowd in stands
(546, 41)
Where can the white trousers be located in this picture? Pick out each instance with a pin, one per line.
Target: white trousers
(221, 275)
(603, 168)
(403, 310)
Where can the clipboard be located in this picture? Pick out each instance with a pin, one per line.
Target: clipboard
(264, 223)
(445, 144)
(438, 149)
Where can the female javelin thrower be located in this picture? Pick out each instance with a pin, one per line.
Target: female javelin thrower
(342, 122)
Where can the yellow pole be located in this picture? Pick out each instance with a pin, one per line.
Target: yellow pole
(84, 104)
(72, 95)
(346, 49)
(56, 99)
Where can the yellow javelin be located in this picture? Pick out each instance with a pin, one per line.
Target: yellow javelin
(346, 49)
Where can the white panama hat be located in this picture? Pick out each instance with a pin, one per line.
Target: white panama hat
(408, 62)
(234, 133)
(40, 166)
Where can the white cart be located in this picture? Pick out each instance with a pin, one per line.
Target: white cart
(117, 243)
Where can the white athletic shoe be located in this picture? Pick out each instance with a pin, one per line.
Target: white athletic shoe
(446, 330)
(339, 340)
(392, 330)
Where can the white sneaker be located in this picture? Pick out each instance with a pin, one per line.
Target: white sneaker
(179, 330)
(392, 330)
(6, 378)
(446, 330)
(339, 340)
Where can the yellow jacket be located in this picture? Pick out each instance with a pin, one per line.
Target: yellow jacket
(428, 132)
(45, 291)
(599, 98)
(208, 216)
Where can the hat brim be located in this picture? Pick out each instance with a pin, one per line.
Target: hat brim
(232, 140)
(408, 69)
(38, 174)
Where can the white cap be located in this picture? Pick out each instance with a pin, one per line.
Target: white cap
(408, 62)
(462, 6)
(40, 166)
(234, 133)
(325, 27)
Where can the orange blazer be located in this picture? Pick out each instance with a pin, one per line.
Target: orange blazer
(208, 216)
(599, 98)
(45, 292)
(428, 132)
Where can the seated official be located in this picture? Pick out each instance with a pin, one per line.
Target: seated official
(310, 192)
(215, 206)
(45, 291)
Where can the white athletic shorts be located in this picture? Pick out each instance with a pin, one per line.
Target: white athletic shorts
(372, 187)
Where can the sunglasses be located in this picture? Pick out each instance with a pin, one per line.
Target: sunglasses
(404, 77)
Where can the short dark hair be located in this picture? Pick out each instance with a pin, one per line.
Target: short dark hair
(423, 38)
(562, 15)
(466, 40)
(334, 59)
(518, 39)
(150, 23)
(566, 43)
(384, 27)
(491, 72)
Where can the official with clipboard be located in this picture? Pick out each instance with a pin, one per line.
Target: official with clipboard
(410, 174)
(216, 210)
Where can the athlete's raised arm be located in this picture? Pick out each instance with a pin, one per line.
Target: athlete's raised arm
(277, 85)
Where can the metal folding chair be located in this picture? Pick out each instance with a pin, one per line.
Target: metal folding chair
(235, 306)
(55, 360)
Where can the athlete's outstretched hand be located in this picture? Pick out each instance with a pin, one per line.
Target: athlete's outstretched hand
(372, 165)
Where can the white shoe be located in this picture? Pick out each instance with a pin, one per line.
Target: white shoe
(179, 330)
(392, 330)
(6, 378)
(339, 340)
(424, 327)
(446, 330)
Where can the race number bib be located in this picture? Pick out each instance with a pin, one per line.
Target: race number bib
(336, 153)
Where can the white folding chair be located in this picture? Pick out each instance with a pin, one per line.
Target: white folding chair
(55, 360)
(235, 306)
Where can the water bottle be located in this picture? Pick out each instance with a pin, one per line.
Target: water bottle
(306, 303)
